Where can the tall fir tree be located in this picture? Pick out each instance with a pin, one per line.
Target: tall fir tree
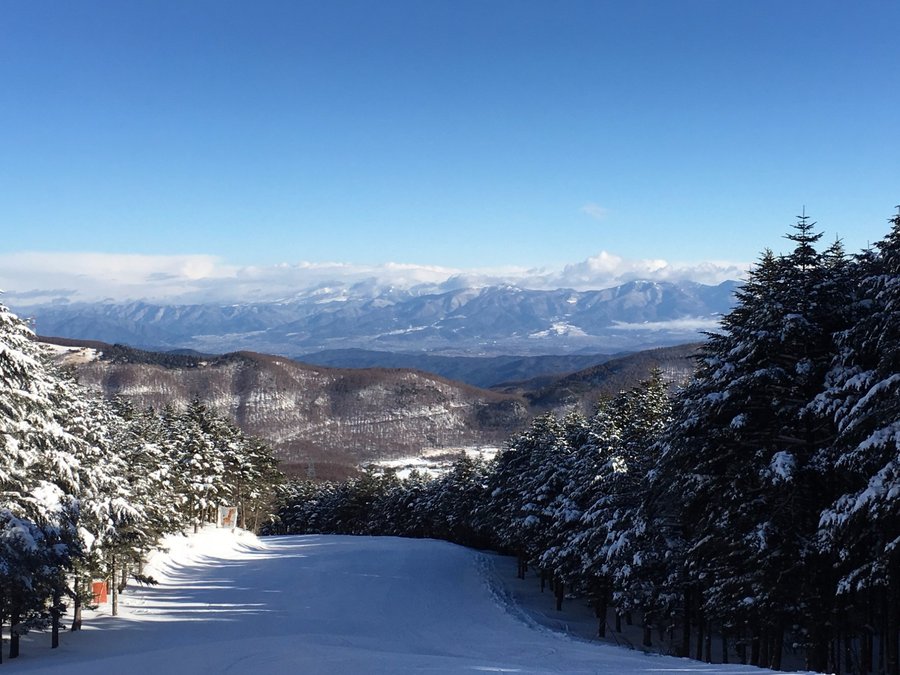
(861, 528)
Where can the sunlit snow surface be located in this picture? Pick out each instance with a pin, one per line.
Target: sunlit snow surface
(327, 604)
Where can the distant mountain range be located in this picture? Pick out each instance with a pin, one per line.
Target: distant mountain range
(488, 321)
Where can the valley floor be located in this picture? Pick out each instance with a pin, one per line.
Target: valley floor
(231, 603)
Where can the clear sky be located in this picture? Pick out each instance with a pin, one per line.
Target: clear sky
(458, 133)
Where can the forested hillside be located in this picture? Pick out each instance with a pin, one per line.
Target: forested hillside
(321, 422)
(326, 422)
(581, 390)
(760, 505)
(88, 487)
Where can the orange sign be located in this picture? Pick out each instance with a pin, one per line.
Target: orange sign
(100, 590)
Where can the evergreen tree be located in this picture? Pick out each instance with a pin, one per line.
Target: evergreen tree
(634, 420)
(587, 440)
(862, 526)
(453, 499)
(522, 485)
(200, 462)
(742, 464)
(39, 482)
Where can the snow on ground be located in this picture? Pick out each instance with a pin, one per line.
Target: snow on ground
(71, 356)
(230, 603)
(434, 462)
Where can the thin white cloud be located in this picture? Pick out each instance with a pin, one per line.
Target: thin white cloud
(686, 325)
(595, 211)
(32, 278)
(606, 269)
(95, 276)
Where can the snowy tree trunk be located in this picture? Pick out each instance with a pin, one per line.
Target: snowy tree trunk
(754, 647)
(14, 620)
(724, 646)
(113, 589)
(777, 650)
(523, 566)
(241, 519)
(560, 591)
(848, 652)
(256, 510)
(707, 644)
(193, 514)
(817, 659)
(834, 657)
(892, 648)
(600, 611)
(867, 648)
(76, 604)
(764, 644)
(55, 614)
(867, 657)
(700, 638)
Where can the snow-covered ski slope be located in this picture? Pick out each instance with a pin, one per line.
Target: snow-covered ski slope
(230, 603)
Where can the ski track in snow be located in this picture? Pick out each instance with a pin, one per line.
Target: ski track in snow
(230, 603)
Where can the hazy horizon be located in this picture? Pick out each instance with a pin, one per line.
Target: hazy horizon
(36, 278)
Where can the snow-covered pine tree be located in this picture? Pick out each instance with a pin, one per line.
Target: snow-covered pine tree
(547, 495)
(39, 483)
(740, 462)
(294, 505)
(862, 527)
(587, 439)
(403, 508)
(256, 476)
(106, 510)
(522, 484)
(609, 545)
(452, 500)
(216, 464)
(357, 500)
(200, 462)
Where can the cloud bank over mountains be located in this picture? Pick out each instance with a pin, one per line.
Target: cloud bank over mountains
(33, 278)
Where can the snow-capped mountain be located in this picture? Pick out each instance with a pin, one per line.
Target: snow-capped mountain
(465, 320)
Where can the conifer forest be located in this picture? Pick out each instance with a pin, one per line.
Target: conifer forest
(88, 487)
(752, 512)
(757, 507)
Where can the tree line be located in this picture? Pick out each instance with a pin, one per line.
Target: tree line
(759, 504)
(88, 487)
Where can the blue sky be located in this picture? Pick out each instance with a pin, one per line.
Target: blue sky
(455, 133)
